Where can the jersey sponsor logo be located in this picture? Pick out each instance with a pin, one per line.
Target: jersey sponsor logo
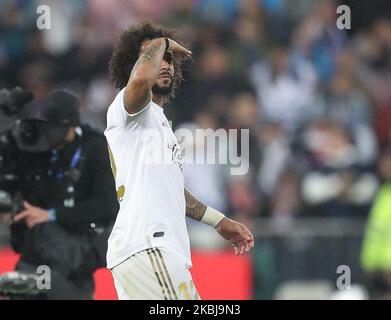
(166, 124)
(177, 155)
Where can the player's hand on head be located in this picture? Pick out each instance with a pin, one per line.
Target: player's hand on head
(238, 234)
(178, 50)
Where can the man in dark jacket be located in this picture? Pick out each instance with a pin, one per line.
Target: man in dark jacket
(69, 202)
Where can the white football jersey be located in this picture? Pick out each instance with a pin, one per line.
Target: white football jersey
(146, 160)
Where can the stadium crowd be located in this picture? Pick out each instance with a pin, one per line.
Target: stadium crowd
(316, 99)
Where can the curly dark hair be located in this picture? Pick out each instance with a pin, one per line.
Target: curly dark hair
(127, 52)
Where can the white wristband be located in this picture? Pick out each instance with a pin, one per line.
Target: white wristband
(212, 217)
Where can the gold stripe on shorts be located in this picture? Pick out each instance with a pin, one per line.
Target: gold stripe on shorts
(166, 272)
(165, 281)
(157, 273)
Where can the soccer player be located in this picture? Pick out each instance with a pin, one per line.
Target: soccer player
(148, 249)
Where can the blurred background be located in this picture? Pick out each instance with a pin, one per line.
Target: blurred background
(317, 101)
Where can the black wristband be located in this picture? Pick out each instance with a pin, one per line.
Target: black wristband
(167, 43)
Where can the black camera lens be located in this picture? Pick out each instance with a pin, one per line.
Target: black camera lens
(29, 133)
(37, 135)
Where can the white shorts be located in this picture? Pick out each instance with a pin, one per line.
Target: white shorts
(154, 274)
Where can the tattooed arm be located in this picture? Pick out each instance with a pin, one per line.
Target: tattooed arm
(194, 208)
(144, 75)
(238, 234)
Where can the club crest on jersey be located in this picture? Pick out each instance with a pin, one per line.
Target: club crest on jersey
(166, 124)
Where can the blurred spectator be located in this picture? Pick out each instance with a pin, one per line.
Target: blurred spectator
(244, 201)
(98, 96)
(217, 10)
(373, 48)
(286, 202)
(375, 255)
(275, 157)
(322, 40)
(250, 37)
(243, 113)
(344, 102)
(211, 77)
(334, 184)
(285, 90)
(64, 16)
(184, 19)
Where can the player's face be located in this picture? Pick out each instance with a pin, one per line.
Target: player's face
(165, 81)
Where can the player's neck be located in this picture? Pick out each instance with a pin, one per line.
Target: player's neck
(159, 100)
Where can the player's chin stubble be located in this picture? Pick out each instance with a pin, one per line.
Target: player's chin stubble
(162, 90)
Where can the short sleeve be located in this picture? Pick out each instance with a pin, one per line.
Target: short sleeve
(117, 114)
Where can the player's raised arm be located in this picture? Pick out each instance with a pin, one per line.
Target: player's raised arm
(240, 237)
(144, 74)
(146, 71)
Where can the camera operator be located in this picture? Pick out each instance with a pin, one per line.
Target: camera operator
(69, 200)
